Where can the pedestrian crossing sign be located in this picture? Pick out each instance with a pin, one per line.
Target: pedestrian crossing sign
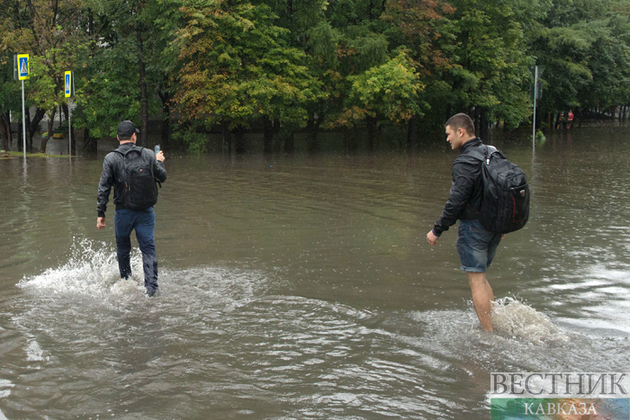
(23, 67)
(69, 84)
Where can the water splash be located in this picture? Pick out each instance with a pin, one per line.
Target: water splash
(92, 270)
(5, 391)
(91, 273)
(34, 352)
(514, 319)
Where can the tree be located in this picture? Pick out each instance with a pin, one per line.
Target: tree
(347, 43)
(237, 67)
(109, 90)
(48, 31)
(489, 78)
(585, 47)
(9, 98)
(389, 91)
(419, 27)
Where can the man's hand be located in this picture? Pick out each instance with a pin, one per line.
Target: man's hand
(100, 223)
(160, 156)
(432, 239)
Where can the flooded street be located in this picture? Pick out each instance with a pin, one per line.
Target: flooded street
(303, 287)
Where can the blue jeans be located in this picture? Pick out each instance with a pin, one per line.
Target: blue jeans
(476, 246)
(143, 221)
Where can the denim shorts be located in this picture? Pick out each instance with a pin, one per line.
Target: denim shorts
(476, 246)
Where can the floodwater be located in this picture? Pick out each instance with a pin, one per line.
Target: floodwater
(303, 287)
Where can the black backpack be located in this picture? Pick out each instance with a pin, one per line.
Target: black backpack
(140, 186)
(505, 199)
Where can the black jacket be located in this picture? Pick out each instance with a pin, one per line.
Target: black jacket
(112, 176)
(464, 199)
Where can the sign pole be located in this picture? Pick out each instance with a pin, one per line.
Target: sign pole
(535, 97)
(21, 69)
(69, 93)
(23, 122)
(70, 127)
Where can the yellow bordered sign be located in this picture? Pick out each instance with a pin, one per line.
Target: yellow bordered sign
(69, 83)
(23, 67)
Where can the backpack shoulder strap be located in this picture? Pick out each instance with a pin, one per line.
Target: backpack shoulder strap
(133, 149)
(479, 153)
(491, 150)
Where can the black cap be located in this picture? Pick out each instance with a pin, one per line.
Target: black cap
(126, 130)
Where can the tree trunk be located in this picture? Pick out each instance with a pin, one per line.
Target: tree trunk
(144, 98)
(71, 137)
(267, 135)
(313, 130)
(9, 127)
(20, 138)
(28, 135)
(33, 125)
(227, 138)
(412, 133)
(5, 135)
(483, 124)
(371, 124)
(240, 146)
(42, 147)
(73, 142)
(350, 140)
(5, 124)
(166, 118)
(289, 143)
(90, 145)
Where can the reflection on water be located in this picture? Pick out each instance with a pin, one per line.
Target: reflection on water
(303, 288)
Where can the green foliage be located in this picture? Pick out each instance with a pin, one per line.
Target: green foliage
(107, 91)
(9, 88)
(323, 42)
(585, 46)
(49, 31)
(332, 63)
(489, 61)
(389, 91)
(195, 140)
(238, 66)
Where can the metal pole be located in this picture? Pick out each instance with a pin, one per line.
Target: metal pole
(23, 121)
(535, 97)
(69, 128)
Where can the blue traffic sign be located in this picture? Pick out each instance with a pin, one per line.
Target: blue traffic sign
(68, 84)
(23, 66)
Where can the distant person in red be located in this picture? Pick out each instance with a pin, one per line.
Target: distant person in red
(570, 118)
(560, 122)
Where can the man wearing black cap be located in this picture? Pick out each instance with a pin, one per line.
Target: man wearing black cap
(133, 172)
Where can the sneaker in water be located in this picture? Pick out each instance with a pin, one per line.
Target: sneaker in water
(151, 292)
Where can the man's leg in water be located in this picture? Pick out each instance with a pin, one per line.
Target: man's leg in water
(145, 232)
(482, 297)
(123, 224)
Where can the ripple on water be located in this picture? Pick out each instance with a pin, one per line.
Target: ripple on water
(224, 340)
